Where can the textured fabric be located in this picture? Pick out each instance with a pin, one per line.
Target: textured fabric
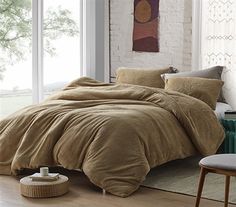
(206, 90)
(142, 77)
(221, 108)
(219, 41)
(220, 161)
(114, 133)
(210, 73)
(146, 26)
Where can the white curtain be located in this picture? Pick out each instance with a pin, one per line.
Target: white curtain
(218, 45)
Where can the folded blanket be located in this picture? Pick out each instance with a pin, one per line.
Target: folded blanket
(114, 133)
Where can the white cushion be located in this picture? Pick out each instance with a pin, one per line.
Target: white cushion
(221, 108)
(220, 161)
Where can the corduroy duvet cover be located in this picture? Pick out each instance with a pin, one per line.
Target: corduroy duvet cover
(114, 133)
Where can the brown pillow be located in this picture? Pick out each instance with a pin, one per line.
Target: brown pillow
(206, 90)
(143, 77)
(210, 73)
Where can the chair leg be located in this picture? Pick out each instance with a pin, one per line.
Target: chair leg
(227, 184)
(200, 185)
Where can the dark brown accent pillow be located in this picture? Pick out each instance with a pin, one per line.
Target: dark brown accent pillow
(210, 73)
(206, 90)
(143, 77)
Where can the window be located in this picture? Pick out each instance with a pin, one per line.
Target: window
(40, 49)
(15, 55)
(61, 56)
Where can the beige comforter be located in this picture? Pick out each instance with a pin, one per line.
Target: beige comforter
(114, 133)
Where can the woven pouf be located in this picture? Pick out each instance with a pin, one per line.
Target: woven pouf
(44, 189)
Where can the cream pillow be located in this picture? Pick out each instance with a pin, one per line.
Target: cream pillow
(206, 90)
(143, 77)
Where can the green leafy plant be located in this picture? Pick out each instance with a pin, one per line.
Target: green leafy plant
(16, 30)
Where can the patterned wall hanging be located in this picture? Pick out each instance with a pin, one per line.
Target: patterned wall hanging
(146, 26)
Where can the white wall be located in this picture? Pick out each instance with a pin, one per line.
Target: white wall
(175, 36)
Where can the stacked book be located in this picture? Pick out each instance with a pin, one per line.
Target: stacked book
(49, 177)
(230, 115)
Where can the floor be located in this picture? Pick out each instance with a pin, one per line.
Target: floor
(83, 194)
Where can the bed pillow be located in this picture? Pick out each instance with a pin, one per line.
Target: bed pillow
(143, 77)
(206, 90)
(211, 73)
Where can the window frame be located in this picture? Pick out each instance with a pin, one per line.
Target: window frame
(37, 50)
(196, 34)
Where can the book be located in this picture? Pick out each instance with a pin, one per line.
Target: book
(230, 112)
(50, 177)
(230, 116)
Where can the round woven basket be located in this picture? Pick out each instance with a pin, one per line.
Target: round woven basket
(44, 189)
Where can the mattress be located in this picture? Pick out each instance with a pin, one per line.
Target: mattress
(221, 108)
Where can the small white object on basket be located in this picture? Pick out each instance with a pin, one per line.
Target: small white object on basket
(44, 171)
(44, 175)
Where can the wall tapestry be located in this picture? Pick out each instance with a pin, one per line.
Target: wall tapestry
(146, 26)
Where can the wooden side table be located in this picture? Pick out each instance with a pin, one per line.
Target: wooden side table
(229, 145)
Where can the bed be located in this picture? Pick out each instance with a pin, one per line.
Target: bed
(114, 133)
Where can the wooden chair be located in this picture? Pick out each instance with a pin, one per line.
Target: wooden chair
(224, 164)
